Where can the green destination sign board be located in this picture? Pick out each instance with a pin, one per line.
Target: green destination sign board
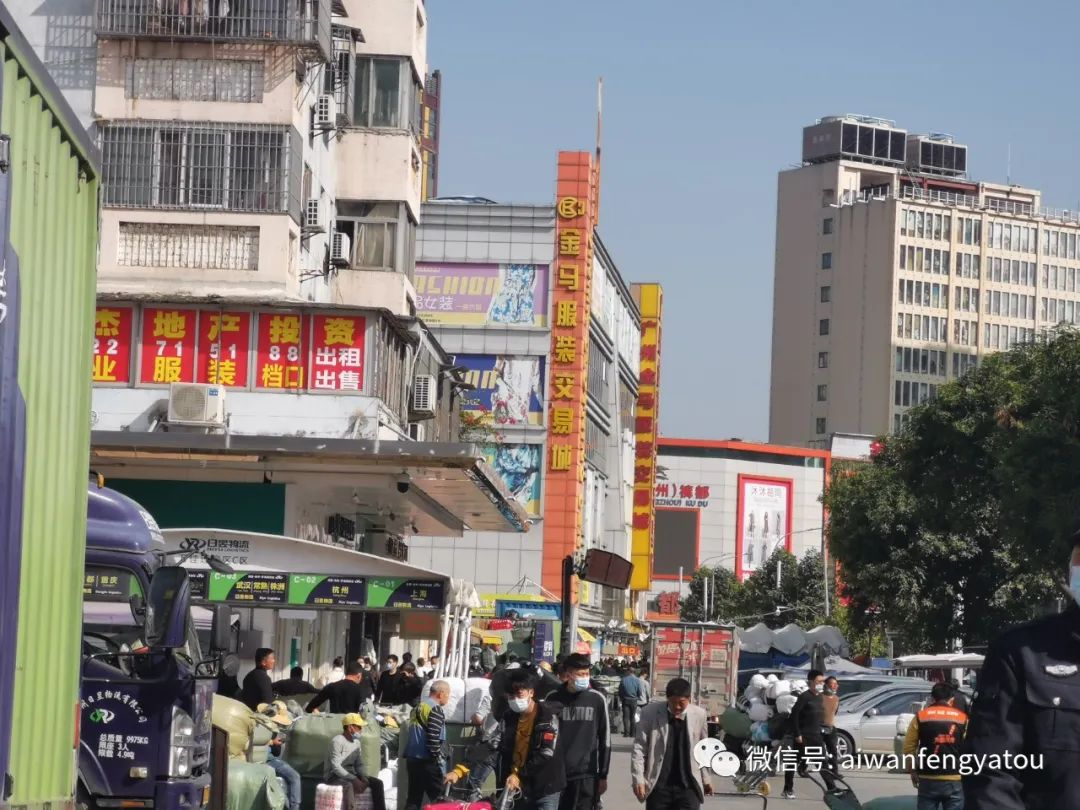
(315, 589)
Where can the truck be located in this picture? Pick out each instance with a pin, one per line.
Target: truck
(705, 654)
(49, 172)
(147, 686)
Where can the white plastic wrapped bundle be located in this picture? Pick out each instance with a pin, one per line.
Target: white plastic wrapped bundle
(759, 711)
(756, 687)
(328, 797)
(772, 679)
(785, 703)
(798, 687)
(759, 733)
(465, 697)
(778, 688)
(388, 777)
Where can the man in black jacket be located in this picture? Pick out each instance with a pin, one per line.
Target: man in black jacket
(527, 762)
(347, 695)
(389, 683)
(807, 721)
(585, 731)
(1028, 703)
(294, 684)
(257, 685)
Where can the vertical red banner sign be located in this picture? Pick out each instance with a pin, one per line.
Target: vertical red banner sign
(168, 345)
(281, 350)
(114, 328)
(337, 353)
(564, 467)
(224, 348)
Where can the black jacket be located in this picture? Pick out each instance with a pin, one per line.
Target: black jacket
(257, 688)
(543, 772)
(585, 741)
(808, 716)
(1028, 702)
(290, 687)
(389, 688)
(345, 696)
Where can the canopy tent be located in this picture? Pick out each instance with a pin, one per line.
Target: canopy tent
(835, 665)
(944, 661)
(790, 640)
(756, 639)
(831, 640)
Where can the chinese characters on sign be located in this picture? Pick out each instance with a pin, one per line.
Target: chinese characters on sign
(650, 302)
(224, 340)
(565, 462)
(763, 520)
(482, 294)
(113, 329)
(682, 496)
(281, 349)
(337, 362)
(168, 345)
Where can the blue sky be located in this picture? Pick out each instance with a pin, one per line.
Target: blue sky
(704, 102)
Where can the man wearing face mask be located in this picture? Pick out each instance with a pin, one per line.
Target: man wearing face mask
(808, 721)
(388, 682)
(345, 766)
(1028, 702)
(524, 743)
(585, 735)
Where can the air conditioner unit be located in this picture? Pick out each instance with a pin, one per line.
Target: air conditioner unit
(196, 404)
(423, 396)
(326, 112)
(340, 249)
(313, 216)
(416, 432)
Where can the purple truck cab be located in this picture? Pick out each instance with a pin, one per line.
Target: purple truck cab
(146, 685)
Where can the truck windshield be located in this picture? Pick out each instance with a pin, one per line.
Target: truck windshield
(109, 627)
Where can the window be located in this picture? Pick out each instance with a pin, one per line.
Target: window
(383, 93)
(826, 261)
(828, 196)
(822, 393)
(826, 225)
(823, 326)
(194, 79)
(819, 426)
(826, 294)
(823, 360)
(227, 166)
(372, 228)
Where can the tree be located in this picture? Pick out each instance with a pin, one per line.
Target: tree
(800, 597)
(724, 596)
(953, 531)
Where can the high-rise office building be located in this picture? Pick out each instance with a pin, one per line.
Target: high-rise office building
(896, 273)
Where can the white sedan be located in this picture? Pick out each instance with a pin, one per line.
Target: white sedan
(872, 726)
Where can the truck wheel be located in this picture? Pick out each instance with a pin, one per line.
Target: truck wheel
(82, 798)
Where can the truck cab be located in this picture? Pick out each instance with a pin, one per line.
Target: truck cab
(146, 685)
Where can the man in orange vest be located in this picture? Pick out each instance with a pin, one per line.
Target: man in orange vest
(932, 751)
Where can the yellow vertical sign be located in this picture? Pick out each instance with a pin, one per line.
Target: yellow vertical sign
(650, 298)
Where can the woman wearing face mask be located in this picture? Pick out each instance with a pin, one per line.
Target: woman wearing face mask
(525, 741)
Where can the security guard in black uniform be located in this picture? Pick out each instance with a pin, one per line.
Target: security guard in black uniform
(1028, 703)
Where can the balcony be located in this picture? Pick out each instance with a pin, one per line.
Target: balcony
(304, 24)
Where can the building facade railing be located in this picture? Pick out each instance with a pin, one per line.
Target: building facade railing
(993, 205)
(301, 23)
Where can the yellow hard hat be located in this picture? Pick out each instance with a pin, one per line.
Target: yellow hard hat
(353, 719)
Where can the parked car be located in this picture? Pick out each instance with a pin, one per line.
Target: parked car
(870, 724)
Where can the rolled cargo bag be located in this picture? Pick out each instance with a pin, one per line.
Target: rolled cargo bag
(254, 787)
(238, 720)
(736, 723)
(309, 742)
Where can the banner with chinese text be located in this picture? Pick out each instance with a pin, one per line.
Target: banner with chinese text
(337, 362)
(281, 347)
(764, 521)
(167, 349)
(646, 428)
(482, 294)
(224, 348)
(114, 330)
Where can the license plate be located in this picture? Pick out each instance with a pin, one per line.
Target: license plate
(206, 796)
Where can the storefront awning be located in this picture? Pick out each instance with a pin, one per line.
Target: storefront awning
(586, 636)
(450, 487)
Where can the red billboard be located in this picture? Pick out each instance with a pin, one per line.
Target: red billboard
(281, 350)
(114, 328)
(337, 353)
(224, 348)
(167, 350)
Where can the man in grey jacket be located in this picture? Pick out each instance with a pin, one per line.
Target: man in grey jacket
(345, 767)
(662, 766)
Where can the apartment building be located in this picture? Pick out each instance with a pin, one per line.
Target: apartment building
(487, 284)
(896, 273)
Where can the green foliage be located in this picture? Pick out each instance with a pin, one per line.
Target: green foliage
(954, 531)
(800, 596)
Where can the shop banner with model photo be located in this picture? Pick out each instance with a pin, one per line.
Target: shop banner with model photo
(508, 391)
(519, 466)
(482, 294)
(764, 521)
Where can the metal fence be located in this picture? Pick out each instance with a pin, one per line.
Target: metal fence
(230, 167)
(188, 247)
(293, 22)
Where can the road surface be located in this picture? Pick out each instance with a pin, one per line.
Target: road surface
(867, 785)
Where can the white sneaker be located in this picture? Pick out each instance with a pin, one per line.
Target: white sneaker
(788, 794)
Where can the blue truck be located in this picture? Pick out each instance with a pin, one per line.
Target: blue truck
(146, 685)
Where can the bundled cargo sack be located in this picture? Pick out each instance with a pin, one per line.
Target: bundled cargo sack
(736, 723)
(455, 706)
(759, 712)
(371, 746)
(785, 703)
(777, 689)
(759, 733)
(253, 787)
(261, 736)
(756, 687)
(329, 797)
(238, 720)
(309, 741)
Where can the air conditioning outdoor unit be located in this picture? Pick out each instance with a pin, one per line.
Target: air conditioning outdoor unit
(340, 249)
(326, 112)
(416, 432)
(313, 216)
(196, 404)
(423, 396)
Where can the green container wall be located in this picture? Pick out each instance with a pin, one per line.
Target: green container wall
(54, 229)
